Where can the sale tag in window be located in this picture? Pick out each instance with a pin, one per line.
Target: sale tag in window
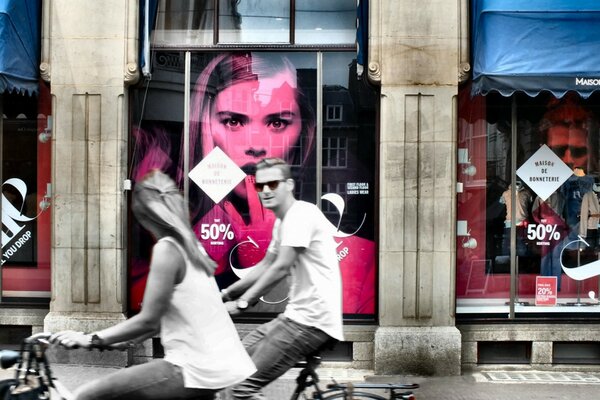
(545, 290)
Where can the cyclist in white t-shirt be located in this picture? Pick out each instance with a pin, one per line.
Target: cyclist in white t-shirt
(203, 352)
(301, 246)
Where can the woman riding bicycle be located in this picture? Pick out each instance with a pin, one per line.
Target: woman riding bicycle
(203, 352)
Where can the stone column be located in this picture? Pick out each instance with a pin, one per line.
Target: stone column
(415, 56)
(89, 58)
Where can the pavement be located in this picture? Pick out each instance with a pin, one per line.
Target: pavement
(480, 385)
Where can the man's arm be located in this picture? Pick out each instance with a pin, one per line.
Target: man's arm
(236, 289)
(272, 274)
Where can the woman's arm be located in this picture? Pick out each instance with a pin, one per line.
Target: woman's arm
(167, 268)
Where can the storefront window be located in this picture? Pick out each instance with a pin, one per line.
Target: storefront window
(193, 23)
(254, 21)
(527, 231)
(245, 106)
(326, 22)
(26, 194)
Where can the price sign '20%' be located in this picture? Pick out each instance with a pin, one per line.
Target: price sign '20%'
(542, 232)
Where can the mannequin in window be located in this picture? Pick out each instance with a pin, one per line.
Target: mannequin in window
(590, 215)
(573, 190)
(522, 212)
(523, 205)
(551, 212)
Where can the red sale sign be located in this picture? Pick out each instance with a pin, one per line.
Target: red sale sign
(545, 290)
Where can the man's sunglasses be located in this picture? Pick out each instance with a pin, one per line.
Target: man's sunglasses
(576, 152)
(260, 186)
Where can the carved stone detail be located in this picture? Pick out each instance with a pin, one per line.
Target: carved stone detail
(374, 71)
(132, 73)
(463, 71)
(45, 71)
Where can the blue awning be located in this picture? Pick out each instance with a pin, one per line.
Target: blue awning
(148, 10)
(536, 45)
(362, 35)
(19, 46)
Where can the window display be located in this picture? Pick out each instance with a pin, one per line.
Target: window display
(536, 224)
(26, 196)
(245, 106)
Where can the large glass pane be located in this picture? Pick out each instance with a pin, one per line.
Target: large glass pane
(26, 196)
(254, 21)
(483, 262)
(184, 22)
(540, 229)
(348, 191)
(557, 168)
(325, 22)
(157, 138)
(244, 106)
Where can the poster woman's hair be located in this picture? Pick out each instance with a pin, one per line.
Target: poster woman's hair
(159, 207)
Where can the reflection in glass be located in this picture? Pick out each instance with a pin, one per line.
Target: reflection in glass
(331, 21)
(254, 21)
(553, 210)
(244, 106)
(348, 174)
(26, 195)
(184, 22)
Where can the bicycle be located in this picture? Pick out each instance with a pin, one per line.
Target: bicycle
(308, 377)
(33, 375)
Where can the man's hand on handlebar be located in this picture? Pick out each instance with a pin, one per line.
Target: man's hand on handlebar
(232, 308)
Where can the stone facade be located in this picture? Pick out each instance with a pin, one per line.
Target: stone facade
(416, 53)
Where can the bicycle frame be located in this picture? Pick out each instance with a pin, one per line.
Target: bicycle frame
(32, 366)
(308, 377)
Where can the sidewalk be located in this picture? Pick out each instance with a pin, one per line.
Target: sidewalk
(529, 385)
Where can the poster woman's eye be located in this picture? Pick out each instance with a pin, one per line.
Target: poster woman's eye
(232, 123)
(277, 124)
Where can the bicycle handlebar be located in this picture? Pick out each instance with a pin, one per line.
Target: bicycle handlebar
(43, 337)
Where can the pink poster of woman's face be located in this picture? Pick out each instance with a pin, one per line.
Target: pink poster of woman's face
(251, 106)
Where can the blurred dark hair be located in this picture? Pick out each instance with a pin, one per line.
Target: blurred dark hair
(159, 207)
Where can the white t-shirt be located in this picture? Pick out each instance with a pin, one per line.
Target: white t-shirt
(198, 334)
(316, 289)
